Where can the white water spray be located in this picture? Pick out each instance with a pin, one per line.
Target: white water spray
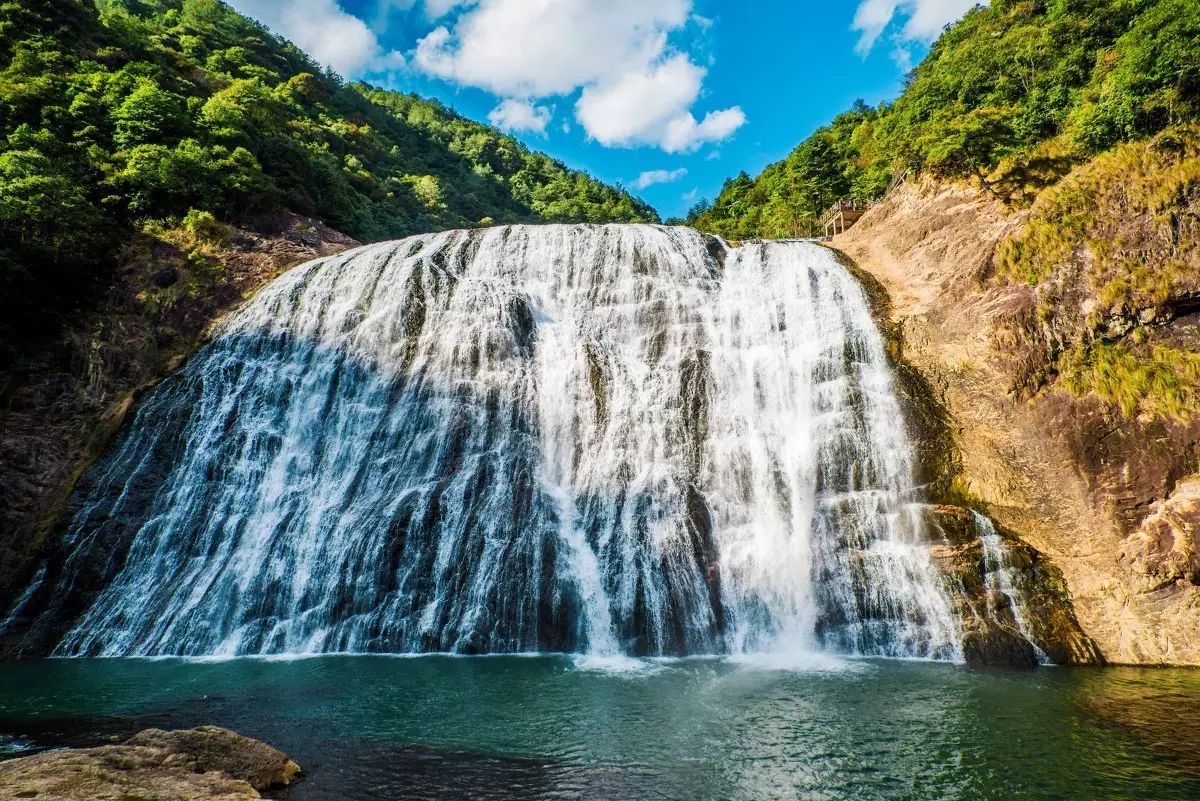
(614, 440)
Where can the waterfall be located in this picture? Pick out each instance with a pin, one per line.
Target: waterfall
(613, 439)
(999, 579)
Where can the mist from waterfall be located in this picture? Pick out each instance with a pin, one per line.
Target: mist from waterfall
(612, 440)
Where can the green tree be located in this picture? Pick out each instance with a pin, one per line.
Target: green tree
(148, 114)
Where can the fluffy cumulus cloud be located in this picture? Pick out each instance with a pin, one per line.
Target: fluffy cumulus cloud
(923, 20)
(324, 30)
(651, 106)
(636, 89)
(521, 116)
(652, 177)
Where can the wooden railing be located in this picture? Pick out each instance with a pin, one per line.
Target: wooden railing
(841, 207)
(845, 212)
(842, 214)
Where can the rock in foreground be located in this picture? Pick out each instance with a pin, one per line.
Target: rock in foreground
(202, 764)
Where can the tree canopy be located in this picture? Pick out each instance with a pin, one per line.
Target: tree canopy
(118, 113)
(1013, 96)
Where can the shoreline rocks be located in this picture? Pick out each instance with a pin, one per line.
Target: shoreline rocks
(207, 763)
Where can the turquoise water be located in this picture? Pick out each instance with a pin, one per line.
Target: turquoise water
(550, 728)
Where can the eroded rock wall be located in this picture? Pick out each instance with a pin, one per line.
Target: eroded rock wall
(1102, 495)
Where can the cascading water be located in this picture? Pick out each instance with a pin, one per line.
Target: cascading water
(998, 575)
(617, 439)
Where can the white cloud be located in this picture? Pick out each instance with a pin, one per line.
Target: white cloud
(927, 18)
(924, 19)
(539, 48)
(326, 32)
(684, 133)
(384, 9)
(636, 89)
(650, 107)
(520, 116)
(870, 19)
(652, 177)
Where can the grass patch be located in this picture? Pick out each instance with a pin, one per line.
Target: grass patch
(1113, 251)
(1161, 380)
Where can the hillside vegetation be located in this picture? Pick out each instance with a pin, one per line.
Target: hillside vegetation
(122, 120)
(1012, 97)
(1113, 254)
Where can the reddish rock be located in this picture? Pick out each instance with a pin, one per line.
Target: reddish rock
(1166, 547)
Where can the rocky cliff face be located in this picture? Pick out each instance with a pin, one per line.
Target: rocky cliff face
(60, 408)
(1013, 603)
(1101, 490)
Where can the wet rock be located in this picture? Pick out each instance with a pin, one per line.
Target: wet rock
(202, 764)
(992, 634)
(987, 644)
(716, 249)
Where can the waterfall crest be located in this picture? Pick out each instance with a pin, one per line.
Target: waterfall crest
(613, 439)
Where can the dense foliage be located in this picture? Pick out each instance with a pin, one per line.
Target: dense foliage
(118, 114)
(1013, 96)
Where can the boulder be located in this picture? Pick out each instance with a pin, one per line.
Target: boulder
(207, 763)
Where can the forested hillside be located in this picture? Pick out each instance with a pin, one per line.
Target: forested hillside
(123, 119)
(1013, 96)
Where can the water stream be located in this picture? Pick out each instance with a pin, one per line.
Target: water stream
(607, 440)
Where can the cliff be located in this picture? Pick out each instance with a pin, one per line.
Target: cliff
(1096, 475)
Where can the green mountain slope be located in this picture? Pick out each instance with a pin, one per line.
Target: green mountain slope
(1013, 96)
(117, 115)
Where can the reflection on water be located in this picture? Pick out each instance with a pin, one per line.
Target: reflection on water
(546, 728)
(1162, 707)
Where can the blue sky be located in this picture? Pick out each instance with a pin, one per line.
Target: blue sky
(666, 97)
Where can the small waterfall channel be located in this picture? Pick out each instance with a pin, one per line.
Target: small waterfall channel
(999, 579)
(594, 439)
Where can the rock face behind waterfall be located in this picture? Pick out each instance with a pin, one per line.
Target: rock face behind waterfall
(618, 439)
